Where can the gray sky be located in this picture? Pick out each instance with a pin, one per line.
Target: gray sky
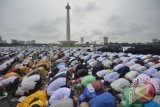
(44, 20)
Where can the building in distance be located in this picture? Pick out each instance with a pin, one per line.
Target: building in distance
(31, 42)
(14, 41)
(2, 41)
(82, 40)
(155, 41)
(105, 40)
(21, 42)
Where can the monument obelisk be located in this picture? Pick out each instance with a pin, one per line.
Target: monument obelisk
(68, 41)
(68, 23)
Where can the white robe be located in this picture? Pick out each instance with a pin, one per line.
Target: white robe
(59, 94)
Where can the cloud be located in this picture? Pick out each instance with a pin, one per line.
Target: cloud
(120, 20)
(91, 6)
(82, 11)
(97, 32)
(45, 26)
(116, 26)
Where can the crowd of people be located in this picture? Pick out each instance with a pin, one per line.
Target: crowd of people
(70, 77)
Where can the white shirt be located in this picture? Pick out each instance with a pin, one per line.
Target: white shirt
(93, 63)
(107, 63)
(60, 94)
(90, 61)
(120, 84)
(156, 75)
(53, 86)
(101, 59)
(3, 66)
(140, 68)
(101, 73)
(118, 66)
(131, 75)
(28, 83)
(133, 67)
(117, 60)
(156, 66)
(150, 71)
(7, 81)
(65, 101)
(150, 64)
(130, 63)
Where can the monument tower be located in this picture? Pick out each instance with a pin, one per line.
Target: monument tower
(68, 23)
(68, 41)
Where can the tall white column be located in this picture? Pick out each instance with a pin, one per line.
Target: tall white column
(68, 24)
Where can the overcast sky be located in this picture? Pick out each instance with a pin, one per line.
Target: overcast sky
(45, 20)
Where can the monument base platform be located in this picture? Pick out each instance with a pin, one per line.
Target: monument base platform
(68, 43)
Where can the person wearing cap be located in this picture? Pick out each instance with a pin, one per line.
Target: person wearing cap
(92, 90)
